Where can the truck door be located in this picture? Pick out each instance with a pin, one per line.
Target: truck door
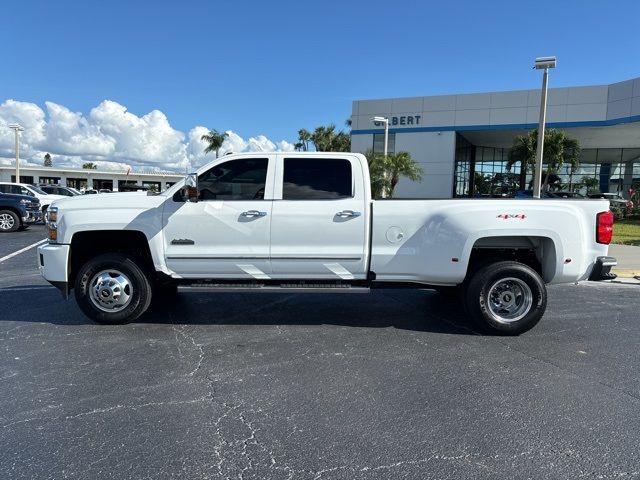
(226, 233)
(319, 225)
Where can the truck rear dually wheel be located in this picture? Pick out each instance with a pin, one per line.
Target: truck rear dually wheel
(506, 298)
(112, 289)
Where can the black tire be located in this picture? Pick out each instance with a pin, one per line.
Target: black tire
(9, 221)
(521, 289)
(139, 288)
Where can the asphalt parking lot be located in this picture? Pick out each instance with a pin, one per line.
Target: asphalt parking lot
(389, 385)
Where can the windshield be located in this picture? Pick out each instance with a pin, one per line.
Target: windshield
(37, 190)
(74, 191)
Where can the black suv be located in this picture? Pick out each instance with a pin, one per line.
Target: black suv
(18, 211)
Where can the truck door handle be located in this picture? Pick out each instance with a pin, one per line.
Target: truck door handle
(348, 214)
(253, 213)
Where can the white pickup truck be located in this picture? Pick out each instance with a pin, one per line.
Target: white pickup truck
(306, 222)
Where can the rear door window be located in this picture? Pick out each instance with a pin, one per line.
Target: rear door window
(317, 179)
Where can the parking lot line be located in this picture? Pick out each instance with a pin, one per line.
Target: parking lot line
(22, 250)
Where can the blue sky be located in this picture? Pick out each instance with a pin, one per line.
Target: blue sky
(273, 67)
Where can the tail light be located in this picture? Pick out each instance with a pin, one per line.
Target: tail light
(604, 227)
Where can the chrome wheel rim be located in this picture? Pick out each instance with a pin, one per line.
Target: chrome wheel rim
(6, 221)
(110, 291)
(509, 300)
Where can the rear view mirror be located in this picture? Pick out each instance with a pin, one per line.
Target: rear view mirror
(190, 190)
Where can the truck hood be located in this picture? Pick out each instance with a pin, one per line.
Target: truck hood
(107, 201)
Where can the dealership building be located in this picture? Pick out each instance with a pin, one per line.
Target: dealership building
(89, 179)
(462, 141)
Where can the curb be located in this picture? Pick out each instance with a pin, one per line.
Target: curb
(626, 272)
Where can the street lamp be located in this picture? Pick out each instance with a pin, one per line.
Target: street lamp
(16, 130)
(385, 120)
(542, 63)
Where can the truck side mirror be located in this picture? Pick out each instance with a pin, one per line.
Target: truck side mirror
(190, 191)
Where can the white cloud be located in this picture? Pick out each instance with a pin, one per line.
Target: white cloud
(112, 137)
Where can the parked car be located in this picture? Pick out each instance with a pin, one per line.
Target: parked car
(45, 198)
(566, 194)
(18, 211)
(60, 190)
(90, 191)
(104, 190)
(614, 199)
(529, 194)
(305, 222)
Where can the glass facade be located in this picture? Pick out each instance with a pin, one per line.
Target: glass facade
(378, 143)
(485, 172)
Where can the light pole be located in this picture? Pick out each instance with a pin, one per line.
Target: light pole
(16, 130)
(542, 63)
(385, 120)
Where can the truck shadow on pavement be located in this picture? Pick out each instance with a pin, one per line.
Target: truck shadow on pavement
(419, 310)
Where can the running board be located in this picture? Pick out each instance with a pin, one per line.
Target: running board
(278, 288)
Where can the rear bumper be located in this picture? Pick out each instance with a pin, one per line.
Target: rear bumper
(602, 269)
(53, 263)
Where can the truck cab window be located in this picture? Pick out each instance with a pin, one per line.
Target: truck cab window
(317, 179)
(235, 180)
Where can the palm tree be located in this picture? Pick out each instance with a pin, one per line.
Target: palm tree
(304, 137)
(558, 150)
(89, 166)
(215, 140)
(322, 138)
(386, 171)
(327, 139)
(47, 160)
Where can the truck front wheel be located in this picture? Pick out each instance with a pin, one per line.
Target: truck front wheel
(506, 298)
(112, 289)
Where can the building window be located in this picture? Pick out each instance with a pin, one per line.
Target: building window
(100, 184)
(77, 183)
(378, 143)
(152, 186)
(23, 179)
(50, 180)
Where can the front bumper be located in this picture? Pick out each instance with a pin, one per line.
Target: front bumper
(602, 269)
(31, 216)
(53, 263)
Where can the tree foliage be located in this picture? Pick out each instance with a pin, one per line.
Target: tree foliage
(558, 150)
(327, 139)
(47, 160)
(215, 140)
(385, 172)
(89, 166)
(591, 184)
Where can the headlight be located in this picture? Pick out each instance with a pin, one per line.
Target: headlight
(52, 225)
(52, 214)
(24, 201)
